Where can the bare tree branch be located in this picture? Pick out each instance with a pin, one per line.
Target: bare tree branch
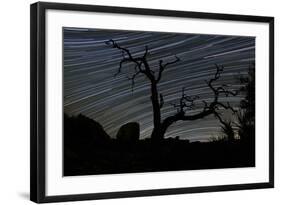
(124, 60)
(187, 103)
(138, 61)
(227, 106)
(162, 67)
(115, 45)
(127, 56)
(145, 52)
(132, 78)
(161, 101)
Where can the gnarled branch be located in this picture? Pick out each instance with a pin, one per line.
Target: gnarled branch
(187, 103)
(162, 67)
(132, 78)
(129, 58)
(161, 101)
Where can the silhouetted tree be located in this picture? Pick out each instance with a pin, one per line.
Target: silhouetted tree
(246, 116)
(186, 102)
(246, 113)
(228, 131)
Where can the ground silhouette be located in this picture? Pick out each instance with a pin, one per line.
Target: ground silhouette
(89, 150)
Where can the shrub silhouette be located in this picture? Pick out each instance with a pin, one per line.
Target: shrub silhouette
(228, 131)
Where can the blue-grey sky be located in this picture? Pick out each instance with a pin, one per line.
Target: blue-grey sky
(90, 87)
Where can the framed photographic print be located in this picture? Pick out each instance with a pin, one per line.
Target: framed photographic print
(129, 102)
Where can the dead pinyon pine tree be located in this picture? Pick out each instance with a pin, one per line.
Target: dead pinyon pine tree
(141, 66)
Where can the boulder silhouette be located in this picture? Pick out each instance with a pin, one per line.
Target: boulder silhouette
(81, 130)
(129, 132)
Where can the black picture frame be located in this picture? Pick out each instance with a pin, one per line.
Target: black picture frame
(38, 101)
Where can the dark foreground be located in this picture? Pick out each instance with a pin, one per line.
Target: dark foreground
(169, 155)
(88, 150)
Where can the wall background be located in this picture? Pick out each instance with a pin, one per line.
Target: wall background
(14, 103)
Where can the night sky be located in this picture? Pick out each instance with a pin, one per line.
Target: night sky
(90, 87)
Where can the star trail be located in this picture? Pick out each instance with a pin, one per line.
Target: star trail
(90, 87)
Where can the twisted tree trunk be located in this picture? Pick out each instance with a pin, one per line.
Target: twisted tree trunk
(186, 103)
(155, 135)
